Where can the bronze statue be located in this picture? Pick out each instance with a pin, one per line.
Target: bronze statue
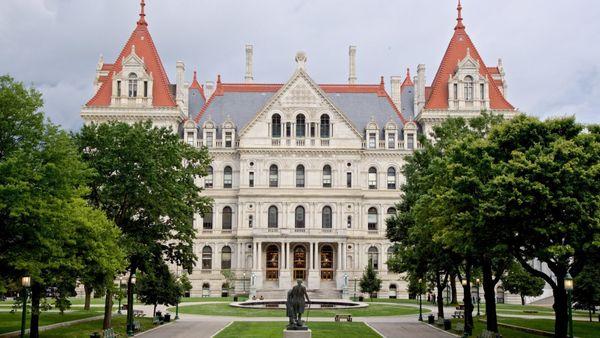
(295, 306)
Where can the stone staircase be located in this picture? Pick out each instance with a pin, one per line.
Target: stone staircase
(316, 294)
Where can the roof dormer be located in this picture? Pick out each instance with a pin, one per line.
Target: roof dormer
(132, 86)
(468, 89)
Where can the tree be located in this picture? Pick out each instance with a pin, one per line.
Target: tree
(370, 283)
(587, 288)
(520, 282)
(184, 282)
(145, 184)
(158, 286)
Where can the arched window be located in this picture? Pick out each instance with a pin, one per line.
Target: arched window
(373, 255)
(300, 126)
(325, 128)
(206, 258)
(372, 219)
(133, 85)
(327, 176)
(208, 180)
(226, 222)
(207, 220)
(300, 180)
(299, 218)
(226, 258)
(326, 218)
(391, 178)
(468, 88)
(227, 177)
(205, 290)
(273, 176)
(272, 221)
(276, 125)
(391, 211)
(372, 178)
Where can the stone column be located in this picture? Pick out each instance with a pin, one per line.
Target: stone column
(314, 277)
(285, 279)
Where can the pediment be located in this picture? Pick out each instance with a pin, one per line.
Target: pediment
(300, 94)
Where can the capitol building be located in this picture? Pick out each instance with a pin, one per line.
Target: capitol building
(303, 174)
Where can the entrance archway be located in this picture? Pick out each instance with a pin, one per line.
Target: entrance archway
(299, 262)
(272, 263)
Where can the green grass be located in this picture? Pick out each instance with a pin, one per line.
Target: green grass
(12, 321)
(580, 329)
(389, 300)
(83, 330)
(226, 310)
(479, 327)
(275, 329)
(211, 299)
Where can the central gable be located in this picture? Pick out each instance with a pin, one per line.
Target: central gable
(300, 94)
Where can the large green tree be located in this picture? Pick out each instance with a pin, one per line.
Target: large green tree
(145, 182)
(158, 286)
(370, 283)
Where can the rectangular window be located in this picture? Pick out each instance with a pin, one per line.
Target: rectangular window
(251, 179)
(312, 129)
(482, 91)
(372, 140)
(391, 141)
(348, 180)
(250, 221)
(410, 141)
(288, 129)
(456, 91)
(118, 88)
(209, 140)
(145, 88)
(190, 138)
(228, 139)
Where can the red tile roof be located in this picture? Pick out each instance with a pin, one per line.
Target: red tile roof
(408, 81)
(107, 66)
(196, 85)
(145, 49)
(457, 50)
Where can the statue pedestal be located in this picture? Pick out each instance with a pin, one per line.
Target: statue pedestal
(297, 333)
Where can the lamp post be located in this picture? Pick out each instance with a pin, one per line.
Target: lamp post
(467, 330)
(177, 303)
(244, 282)
(420, 300)
(130, 309)
(448, 293)
(25, 282)
(355, 281)
(120, 294)
(477, 285)
(569, 288)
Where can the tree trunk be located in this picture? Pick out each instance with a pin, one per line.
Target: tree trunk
(107, 323)
(154, 311)
(561, 316)
(130, 297)
(489, 294)
(453, 289)
(440, 297)
(522, 300)
(590, 311)
(36, 291)
(88, 296)
(467, 300)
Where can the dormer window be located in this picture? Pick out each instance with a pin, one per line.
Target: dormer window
(325, 128)
(228, 139)
(145, 88)
(482, 91)
(119, 88)
(133, 85)
(372, 140)
(468, 88)
(276, 125)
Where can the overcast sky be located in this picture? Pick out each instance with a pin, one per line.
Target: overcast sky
(551, 49)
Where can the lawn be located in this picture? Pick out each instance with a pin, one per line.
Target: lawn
(390, 300)
(226, 310)
(83, 330)
(275, 329)
(12, 321)
(580, 329)
(504, 331)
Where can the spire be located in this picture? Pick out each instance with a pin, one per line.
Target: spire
(195, 76)
(142, 20)
(408, 81)
(459, 19)
(382, 82)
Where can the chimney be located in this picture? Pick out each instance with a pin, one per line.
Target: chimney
(181, 88)
(396, 90)
(352, 74)
(420, 89)
(209, 89)
(249, 77)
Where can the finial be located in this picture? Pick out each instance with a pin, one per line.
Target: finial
(195, 78)
(219, 78)
(408, 73)
(142, 20)
(301, 59)
(382, 82)
(459, 19)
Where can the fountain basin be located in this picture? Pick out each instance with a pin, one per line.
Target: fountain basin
(314, 304)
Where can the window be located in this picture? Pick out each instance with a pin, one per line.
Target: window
(349, 222)
(276, 126)
(206, 258)
(391, 140)
(468, 88)
(482, 91)
(208, 180)
(456, 91)
(373, 255)
(273, 222)
(145, 88)
(250, 221)
(226, 258)
(119, 88)
(300, 176)
(228, 139)
(327, 176)
(300, 126)
(410, 141)
(209, 139)
(391, 211)
(326, 218)
(227, 177)
(190, 138)
(251, 179)
(325, 128)
(288, 129)
(273, 176)
(372, 140)
(132, 85)
(348, 180)
(390, 253)
(372, 219)
(391, 178)
(312, 129)
(272, 263)
(207, 220)
(299, 219)
(372, 178)
(227, 217)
